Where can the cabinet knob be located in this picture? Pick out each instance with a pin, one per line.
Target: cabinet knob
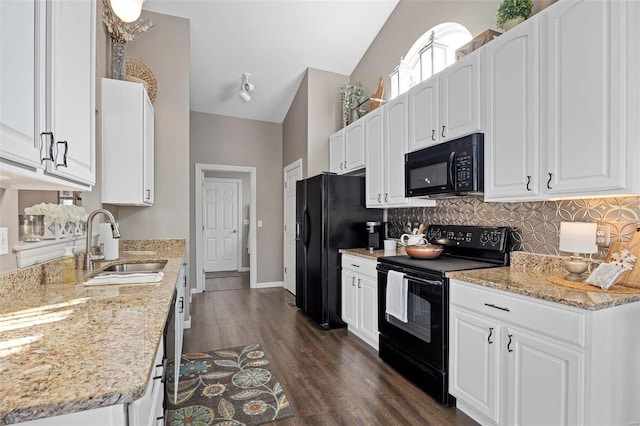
(549, 181)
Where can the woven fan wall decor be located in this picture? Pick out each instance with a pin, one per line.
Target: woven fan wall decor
(139, 72)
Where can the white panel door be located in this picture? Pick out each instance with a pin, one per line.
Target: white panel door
(368, 308)
(424, 114)
(220, 223)
(336, 152)
(292, 174)
(395, 143)
(373, 140)
(354, 147)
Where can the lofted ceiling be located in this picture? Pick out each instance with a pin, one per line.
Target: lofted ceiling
(273, 40)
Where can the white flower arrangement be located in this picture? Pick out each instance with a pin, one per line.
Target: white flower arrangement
(60, 220)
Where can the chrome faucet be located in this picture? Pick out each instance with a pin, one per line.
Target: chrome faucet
(88, 258)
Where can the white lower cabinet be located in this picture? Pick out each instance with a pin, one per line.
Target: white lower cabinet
(360, 298)
(149, 410)
(516, 360)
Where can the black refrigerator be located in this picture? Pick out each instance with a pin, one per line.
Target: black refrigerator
(330, 215)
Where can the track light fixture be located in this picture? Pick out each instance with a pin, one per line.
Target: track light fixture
(246, 87)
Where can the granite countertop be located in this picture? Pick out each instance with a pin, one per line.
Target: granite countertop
(528, 275)
(67, 348)
(372, 255)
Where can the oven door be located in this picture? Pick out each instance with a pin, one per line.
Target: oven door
(430, 174)
(424, 332)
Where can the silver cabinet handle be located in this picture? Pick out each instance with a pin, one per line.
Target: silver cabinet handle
(355, 266)
(491, 305)
(528, 182)
(42, 143)
(386, 197)
(345, 164)
(433, 134)
(379, 198)
(549, 181)
(353, 281)
(148, 194)
(64, 156)
(181, 305)
(359, 283)
(490, 334)
(341, 165)
(443, 130)
(509, 344)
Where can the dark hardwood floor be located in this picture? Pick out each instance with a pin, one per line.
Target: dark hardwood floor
(330, 377)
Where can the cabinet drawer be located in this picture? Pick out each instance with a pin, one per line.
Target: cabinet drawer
(546, 318)
(360, 265)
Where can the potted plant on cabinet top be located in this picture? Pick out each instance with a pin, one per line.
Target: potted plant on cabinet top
(512, 12)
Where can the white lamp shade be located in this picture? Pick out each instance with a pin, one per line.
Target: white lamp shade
(127, 10)
(578, 237)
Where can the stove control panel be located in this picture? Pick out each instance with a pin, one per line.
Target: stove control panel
(475, 237)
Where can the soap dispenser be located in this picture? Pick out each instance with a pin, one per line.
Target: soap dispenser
(68, 266)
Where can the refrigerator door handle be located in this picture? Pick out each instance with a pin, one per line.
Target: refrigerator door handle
(306, 226)
(297, 230)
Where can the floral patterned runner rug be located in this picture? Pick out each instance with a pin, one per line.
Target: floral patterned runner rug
(227, 387)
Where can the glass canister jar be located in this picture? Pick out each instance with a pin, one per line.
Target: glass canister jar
(30, 227)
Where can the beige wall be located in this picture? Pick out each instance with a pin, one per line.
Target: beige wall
(314, 115)
(165, 50)
(325, 112)
(234, 141)
(409, 20)
(9, 219)
(295, 127)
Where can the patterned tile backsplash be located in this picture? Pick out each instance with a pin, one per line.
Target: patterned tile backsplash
(535, 225)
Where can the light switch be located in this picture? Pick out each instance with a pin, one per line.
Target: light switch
(4, 241)
(259, 224)
(245, 222)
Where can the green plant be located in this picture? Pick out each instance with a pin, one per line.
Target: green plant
(510, 9)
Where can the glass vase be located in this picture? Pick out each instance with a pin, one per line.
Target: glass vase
(118, 61)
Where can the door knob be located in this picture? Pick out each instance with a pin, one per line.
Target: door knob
(234, 231)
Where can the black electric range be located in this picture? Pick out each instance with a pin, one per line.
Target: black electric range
(419, 347)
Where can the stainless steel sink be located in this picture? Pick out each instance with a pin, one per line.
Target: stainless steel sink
(132, 268)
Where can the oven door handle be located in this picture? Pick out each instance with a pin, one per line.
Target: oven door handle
(424, 281)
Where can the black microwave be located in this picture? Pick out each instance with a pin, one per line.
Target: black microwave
(450, 168)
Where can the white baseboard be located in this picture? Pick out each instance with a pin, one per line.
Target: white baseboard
(244, 269)
(187, 322)
(269, 285)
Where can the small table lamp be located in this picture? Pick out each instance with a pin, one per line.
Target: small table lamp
(576, 238)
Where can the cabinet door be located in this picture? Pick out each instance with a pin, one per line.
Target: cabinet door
(460, 98)
(349, 298)
(336, 152)
(148, 156)
(374, 158)
(354, 150)
(179, 328)
(511, 82)
(395, 146)
(586, 96)
(423, 114)
(545, 381)
(368, 309)
(22, 66)
(72, 100)
(474, 365)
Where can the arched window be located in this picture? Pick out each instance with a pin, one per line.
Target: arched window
(431, 53)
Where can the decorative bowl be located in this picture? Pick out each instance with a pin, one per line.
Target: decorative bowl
(424, 251)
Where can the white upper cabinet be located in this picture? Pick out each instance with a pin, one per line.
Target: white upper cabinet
(72, 91)
(47, 106)
(460, 98)
(511, 102)
(386, 142)
(424, 121)
(374, 182)
(21, 59)
(562, 99)
(347, 149)
(127, 144)
(585, 95)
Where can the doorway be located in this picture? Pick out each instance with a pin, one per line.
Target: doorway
(245, 220)
(292, 173)
(221, 224)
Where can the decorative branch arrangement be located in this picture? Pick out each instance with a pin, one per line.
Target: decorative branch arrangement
(120, 31)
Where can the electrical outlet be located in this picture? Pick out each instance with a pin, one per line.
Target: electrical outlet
(603, 236)
(4, 241)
